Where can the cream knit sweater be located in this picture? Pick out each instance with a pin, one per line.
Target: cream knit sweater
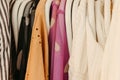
(78, 57)
(111, 59)
(91, 47)
(94, 48)
(68, 20)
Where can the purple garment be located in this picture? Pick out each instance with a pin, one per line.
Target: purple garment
(59, 59)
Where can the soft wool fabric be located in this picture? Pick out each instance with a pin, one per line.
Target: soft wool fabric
(107, 15)
(89, 33)
(78, 56)
(68, 21)
(94, 49)
(111, 59)
(37, 67)
(100, 29)
(91, 15)
(76, 4)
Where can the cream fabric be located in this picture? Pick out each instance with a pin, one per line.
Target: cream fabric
(111, 59)
(78, 57)
(96, 42)
(68, 20)
(94, 49)
(107, 16)
(76, 4)
(47, 13)
(91, 15)
(100, 29)
(89, 59)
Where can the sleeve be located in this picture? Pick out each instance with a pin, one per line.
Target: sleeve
(78, 57)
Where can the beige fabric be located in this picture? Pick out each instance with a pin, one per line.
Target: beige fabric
(111, 59)
(100, 29)
(94, 39)
(78, 57)
(94, 49)
(89, 40)
(91, 15)
(68, 21)
(107, 16)
(76, 4)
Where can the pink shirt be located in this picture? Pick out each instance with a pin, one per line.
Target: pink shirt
(52, 33)
(59, 59)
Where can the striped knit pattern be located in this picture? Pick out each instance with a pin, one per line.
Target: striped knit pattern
(4, 40)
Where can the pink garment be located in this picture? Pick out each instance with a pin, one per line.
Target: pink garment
(51, 38)
(59, 59)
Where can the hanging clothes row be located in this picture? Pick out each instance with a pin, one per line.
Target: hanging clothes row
(22, 18)
(47, 33)
(59, 40)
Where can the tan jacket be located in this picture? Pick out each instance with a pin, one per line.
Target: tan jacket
(37, 67)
